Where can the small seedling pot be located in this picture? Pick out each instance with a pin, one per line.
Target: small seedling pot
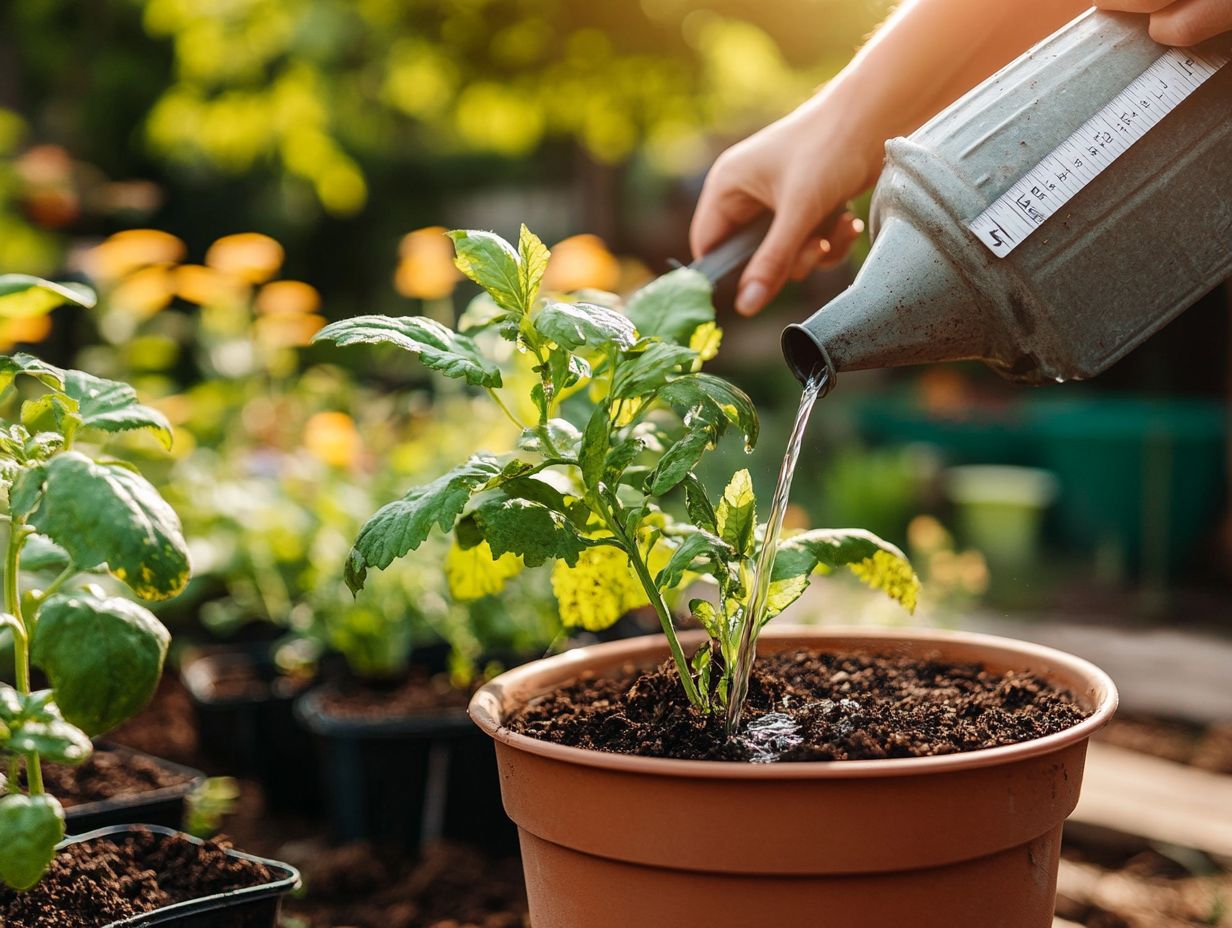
(163, 806)
(408, 781)
(254, 736)
(250, 907)
(959, 841)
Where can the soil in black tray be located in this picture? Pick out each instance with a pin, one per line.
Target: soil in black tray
(94, 883)
(379, 701)
(806, 705)
(108, 775)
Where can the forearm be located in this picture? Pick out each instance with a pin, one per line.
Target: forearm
(926, 56)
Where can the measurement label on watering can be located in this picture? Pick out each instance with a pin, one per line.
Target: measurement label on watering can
(1084, 155)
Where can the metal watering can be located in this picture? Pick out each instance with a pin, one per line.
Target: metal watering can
(1048, 222)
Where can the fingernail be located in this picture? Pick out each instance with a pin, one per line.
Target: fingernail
(751, 298)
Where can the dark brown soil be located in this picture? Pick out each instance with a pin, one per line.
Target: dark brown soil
(166, 727)
(845, 707)
(415, 695)
(108, 775)
(97, 882)
(244, 680)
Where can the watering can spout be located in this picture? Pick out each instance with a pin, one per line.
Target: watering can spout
(922, 312)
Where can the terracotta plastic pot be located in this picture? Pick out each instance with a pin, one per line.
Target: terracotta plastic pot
(959, 841)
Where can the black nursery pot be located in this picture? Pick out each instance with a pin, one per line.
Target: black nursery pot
(254, 735)
(409, 781)
(164, 807)
(250, 907)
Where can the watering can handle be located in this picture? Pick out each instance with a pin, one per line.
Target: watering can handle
(734, 253)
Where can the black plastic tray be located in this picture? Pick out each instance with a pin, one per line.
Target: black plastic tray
(163, 807)
(254, 737)
(251, 907)
(409, 780)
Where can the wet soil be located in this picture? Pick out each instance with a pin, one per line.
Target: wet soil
(834, 706)
(414, 695)
(97, 882)
(108, 775)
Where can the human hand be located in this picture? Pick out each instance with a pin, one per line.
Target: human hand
(1179, 22)
(800, 169)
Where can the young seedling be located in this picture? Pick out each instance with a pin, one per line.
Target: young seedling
(69, 514)
(622, 415)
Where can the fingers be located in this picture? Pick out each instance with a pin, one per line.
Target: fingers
(824, 253)
(1188, 22)
(772, 263)
(1133, 6)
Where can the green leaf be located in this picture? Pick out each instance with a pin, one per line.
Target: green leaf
(708, 394)
(877, 563)
(585, 325)
(30, 829)
(671, 307)
(22, 363)
(23, 296)
(34, 723)
(737, 514)
(530, 530)
(594, 448)
(103, 655)
(532, 262)
(562, 433)
(697, 504)
(695, 550)
(27, 490)
(42, 553)
(708, 617)
(621, 456)
(402, 525)
(680, 459)
(107, 514)
(491, 262)
(644, 373)
(111, 406)
(437, 347)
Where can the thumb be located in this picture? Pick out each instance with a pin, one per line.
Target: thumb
(772, 263)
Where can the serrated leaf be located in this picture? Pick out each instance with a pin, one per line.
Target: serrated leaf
(597, 590)
(22, 363)
(108, 514)
(530, 530)
(697, 549)
(644, 373)
(30, 829)
(111, 406)
(27, 490)
(532, 263)
(707, 394)
(585, 326)
(23, 296)
(491, 262)
(562, 433)
(671, 307)
(593, 452)
(103, 655)
(680, 459)
(402, 525)
(877, 563)
(737, 513)
(708, 617)
(621, 456)
(34, 723)
(437, 346)
(473, 573)
(697, 504)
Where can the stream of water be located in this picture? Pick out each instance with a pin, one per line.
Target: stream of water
(755, 611)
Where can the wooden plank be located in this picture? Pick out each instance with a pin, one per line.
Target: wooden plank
(1142, 795)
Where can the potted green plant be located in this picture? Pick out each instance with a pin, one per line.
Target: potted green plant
(92, 520)
(618, 829)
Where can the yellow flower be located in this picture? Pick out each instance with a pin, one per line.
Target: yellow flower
(125, 252)
(287, 331)
(425, 267)
(332, 437)
(249, 256)
(144, 292)
(581, 262)
(205, 286)
(288, 297)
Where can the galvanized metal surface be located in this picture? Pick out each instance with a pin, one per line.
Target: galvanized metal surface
(1123, 258)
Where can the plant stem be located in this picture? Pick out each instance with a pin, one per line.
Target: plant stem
(505, 409)
(63, 577)
(21, 642)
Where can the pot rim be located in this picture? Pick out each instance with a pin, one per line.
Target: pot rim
(487, 710)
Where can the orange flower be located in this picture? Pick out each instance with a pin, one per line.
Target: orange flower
(288, 297)
(126, 252)
(205, 286)
(425, 268)
(581, 262)
(23, 330)
(287, 330)
(332, 437)
(144, 292)
(248, 256)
